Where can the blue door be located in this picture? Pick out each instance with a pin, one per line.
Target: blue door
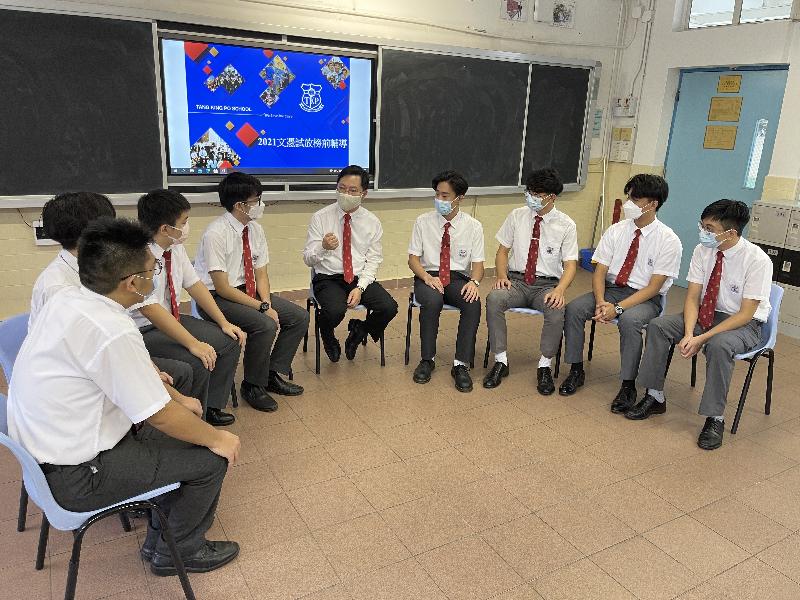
(698, 175)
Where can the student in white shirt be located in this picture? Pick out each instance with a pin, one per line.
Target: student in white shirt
(211, 349)
(83, 377)
(726, 304)
(343, 247)
(636, 262)
(64, 218)
(232, 262)
(446, 255)
(543, 246)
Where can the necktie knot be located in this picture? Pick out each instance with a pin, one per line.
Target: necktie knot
(637, 233)
(347, 217)
(447, 226)
(538, 219)
(720, 254)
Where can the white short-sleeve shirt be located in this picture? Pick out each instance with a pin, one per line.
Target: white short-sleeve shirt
(61, 273)
(221, 249)
(746, 274)
(82, 377)
(466, 241)
(659, 253)
(558, 240)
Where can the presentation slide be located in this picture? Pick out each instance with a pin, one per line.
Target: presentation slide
(262, 111)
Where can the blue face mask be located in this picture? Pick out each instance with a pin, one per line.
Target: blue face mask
(534, 202)
(443, 207)
(709, 240)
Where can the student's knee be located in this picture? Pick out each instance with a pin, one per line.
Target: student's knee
(718, 347)
(579, 310)
(390, 308)
(554, 316)
(333, 314)
(497, 301)
(472, 309)
(630, 322)
(431, 304)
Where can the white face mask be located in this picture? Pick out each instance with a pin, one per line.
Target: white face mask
(632, 211)
(255, 212)
(183, 236)
(347, 202)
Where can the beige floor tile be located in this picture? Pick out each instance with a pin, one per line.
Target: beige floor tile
(494, 454)
(282, 439)
(695, 546)
(361, 545)
(287, 570)
(9, 501)
(522, 592)
(469, 570)
(503, 416)
(789, 478)
(531, 547)
(330, 428)
(444, 469)
(401, 581)
(412, 439)
(361, 453)
(779, 440)
(742, 525)
(258, 524)
(750, 580)
(582, 580)
(746, 455)
(222, 584)
(637, 507)
(426, 523)
(390, 485)
(784, 557)
(682, 484)
(329, 502)
(581, 429)
(458, 428)
(543, 408)
(778, 502)
(35, 583)
(250, 481)
(336, 592)
(540, 440)
(644, 570)
(536, 486)
(484, 504)
(304, 468)
(19, 549)
(378, 413)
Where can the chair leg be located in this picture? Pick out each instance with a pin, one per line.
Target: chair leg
(669, 359)
(486, 356)
(693, 380)
(44, 532)
(234, 395)
(316, 337)
(383, 353)
(558, 356)
(126, 522)
(364, 343)
(591, 339)
(408, 329)
(743, 397)
(23, 508)
(74, 562)
(305, 337)
(770, 366)
(291, 374)
(169, 538)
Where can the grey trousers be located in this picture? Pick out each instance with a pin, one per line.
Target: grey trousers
(522, 295)
(214, 387)
(142, 462)
(630, 325)
(180, 372)
(719, 350)
(260, 355)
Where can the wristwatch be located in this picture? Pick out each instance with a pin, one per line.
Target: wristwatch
(264, 307)
(476, 282)
(618, 309)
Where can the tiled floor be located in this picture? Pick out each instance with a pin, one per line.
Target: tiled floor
(370, 486)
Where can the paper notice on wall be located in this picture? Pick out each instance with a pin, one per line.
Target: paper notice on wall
(514, 10)
(564, 13)
(720, 137)
(725, 109)
(729, 84)
(597, 127)
(621, 144)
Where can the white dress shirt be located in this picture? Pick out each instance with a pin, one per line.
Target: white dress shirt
(221, 250)
(183, 276)
(466, 241)
(746, 274)
(365, 243)
(82, 377)
(659, 253)
(61, 273)
(558, 241)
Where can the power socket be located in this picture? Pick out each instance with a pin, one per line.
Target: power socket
(39, 237)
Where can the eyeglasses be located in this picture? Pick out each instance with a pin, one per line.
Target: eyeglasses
(156, 270)
(351, 191)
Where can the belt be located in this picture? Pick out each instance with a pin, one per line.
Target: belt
(47, 468)
(537, 277)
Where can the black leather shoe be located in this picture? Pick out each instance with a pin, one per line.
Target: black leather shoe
(646, 407)
(574, 380)
(211, 555)
(257, 397)
(219, 418)
(461, 376)
(495, 376)
(544, 381)
(422, 374)
(332, 347)
(147, 552)
(624, 400)
(278, 385)
(357, 335)
(711, 436)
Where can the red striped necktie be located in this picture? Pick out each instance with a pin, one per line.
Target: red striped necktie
(173, 300)
(630, 260)
(706, 315)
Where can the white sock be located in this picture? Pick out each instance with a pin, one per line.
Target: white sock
(720, 419)
(458, 363)
(502, 357)
(545, 362)
(657, 394)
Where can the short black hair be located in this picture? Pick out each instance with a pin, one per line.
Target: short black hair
(733, 214)
(544, 180)
(355, 170)
(645, 185)
(455, 179)
(161, 207)
(109, 250)
(238, 187)
(65, 216)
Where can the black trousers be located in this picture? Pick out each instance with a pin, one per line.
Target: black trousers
(331, 292)
(180, 372)
(142, 462)
(431, 303)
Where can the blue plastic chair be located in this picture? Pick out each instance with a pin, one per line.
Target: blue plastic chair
(769, 335)
(594, 326)
(412, 304)
(36, 485)
(533, 313)
(313, 302)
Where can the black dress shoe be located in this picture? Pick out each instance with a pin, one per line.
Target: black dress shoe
(257, 397)
(544, 381)
(219, 418)
(711, 436)
(278, 385)
(357, 335)
(422, 374)
(147, 552)
(210, 556)
(461, 377)
(495, 376)
(332, 347)
(574, 380)
(646, 407)
(624, 400)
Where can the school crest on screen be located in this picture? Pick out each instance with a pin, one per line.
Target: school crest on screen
(311, 101)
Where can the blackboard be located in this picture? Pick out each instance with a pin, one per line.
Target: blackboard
(80, 110)
(450, 112)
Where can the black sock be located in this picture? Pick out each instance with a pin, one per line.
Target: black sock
(576, 367)
(629, 383)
